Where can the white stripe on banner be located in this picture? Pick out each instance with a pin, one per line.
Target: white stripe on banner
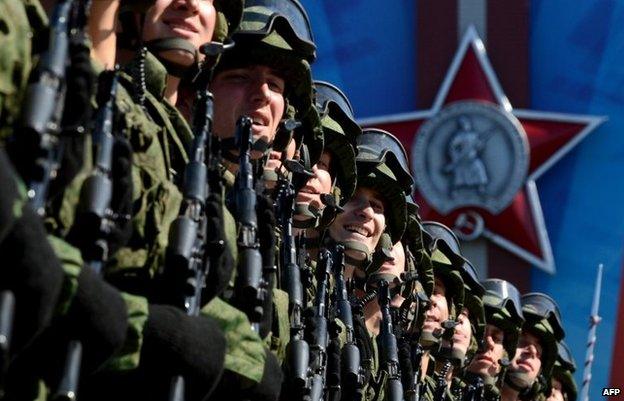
(472, 12)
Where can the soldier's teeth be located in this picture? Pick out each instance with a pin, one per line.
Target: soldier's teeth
(357, 230)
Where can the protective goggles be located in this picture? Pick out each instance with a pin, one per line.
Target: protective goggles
(507, 295)
(439, 231)
(471, 279)
(291, 10)
(543, 305)
(326, 93)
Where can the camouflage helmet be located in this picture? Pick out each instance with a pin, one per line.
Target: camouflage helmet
(473, 300)
(564, 371)
(229, 16)
(504, 310)
(386, 177)
(261, 17)
(376, 144)
(414, 245)
(273, 49)
(542, 318)
(447, 262)
(340, 132)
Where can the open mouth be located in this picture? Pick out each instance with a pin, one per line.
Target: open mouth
(259, 120)
(309, 190)
(363, 231)
(181, 24)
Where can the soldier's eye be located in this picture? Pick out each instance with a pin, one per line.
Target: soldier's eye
(377, 206)
(276, 85)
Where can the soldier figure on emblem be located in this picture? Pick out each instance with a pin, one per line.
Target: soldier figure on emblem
(466, 167)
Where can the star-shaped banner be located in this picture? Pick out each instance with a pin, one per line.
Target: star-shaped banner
(519, 227)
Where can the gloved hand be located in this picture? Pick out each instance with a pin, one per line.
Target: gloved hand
(173, 344)
(234, 387)
(29, 268)
(96, 317)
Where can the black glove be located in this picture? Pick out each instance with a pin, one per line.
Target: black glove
(174, 344)
(29, 268)
(232, 385)
(97, 318)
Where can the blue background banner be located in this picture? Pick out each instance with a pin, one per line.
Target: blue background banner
(368, 49)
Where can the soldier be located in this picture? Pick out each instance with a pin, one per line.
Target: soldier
(335, 173)
(503, 315)
(537, 348)
(447, 300)
(562, 382)
(468, 336)
(267, 78)
(158, 135)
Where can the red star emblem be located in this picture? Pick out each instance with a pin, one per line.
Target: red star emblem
(520, 227)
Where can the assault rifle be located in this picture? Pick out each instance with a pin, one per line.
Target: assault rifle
(94, 216)
(318, 353)
(250, 287)
(351, 374)
(41, 122)
(445, 349)
(193, 246)
(389, 354)
(298, 353)
(474, 392)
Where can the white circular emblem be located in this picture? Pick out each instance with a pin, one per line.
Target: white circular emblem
(470, 154)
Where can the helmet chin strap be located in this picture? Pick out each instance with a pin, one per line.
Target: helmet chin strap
(310, 213)
(519, 381)
(159, 46)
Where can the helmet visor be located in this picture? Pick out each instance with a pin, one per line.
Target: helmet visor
(506, 294)
(375, 143)
(543, 305)
(471, 279)
(326, 93)
(292, 10)
(439, 231)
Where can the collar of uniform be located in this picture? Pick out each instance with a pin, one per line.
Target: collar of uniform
(155, 76)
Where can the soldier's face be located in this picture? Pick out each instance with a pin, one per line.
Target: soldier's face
(556, 394)
(438, 311)
(320, 183)
(396, 266)
(363, 220)
(528, 354)
(255, 91)
(487, 362)
(193, 20)
(274, 162)
(463, 332)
